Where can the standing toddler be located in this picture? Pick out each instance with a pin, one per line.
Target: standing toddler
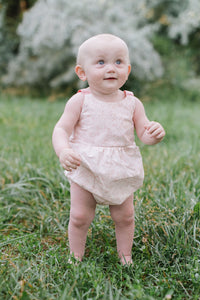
(94, 140)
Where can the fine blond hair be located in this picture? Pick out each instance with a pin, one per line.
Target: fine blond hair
(85, 46)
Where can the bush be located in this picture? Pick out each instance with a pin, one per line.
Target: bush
(186, 23)
(10, 16)
(8, 39)
(51, 32)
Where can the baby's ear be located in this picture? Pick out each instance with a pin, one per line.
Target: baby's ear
(80, 72)
(129, 69)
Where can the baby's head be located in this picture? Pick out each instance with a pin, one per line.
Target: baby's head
(99, 42)
(100, 56)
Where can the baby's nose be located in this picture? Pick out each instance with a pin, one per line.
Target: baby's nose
(110, 68)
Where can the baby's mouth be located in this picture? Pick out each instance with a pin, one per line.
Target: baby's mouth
(110, 78)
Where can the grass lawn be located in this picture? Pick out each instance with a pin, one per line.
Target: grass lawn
(35, 201)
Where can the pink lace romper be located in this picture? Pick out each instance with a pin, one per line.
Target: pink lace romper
(111, 167)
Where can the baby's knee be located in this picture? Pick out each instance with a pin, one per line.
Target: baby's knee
(124, 218)
(80, 219)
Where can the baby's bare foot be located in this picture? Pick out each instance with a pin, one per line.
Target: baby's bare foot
(74, 260)
(126, 260)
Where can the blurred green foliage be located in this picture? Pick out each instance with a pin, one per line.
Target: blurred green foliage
(11, 14)
(29, 60)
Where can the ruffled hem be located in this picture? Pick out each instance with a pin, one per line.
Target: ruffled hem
(111, 174)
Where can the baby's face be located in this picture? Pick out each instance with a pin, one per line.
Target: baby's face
(106, 65)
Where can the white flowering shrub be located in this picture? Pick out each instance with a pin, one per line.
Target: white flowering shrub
(181, 17)
(187, 22)
(51, 32)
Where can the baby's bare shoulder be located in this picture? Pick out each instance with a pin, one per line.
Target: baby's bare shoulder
(76, 99)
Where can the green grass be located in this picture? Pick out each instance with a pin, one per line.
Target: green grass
(35, 201)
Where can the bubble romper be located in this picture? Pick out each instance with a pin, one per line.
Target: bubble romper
(111, 164)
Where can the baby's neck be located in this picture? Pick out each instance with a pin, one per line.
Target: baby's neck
(112, 97)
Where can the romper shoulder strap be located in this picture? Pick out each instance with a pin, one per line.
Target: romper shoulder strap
(128, 93)
(84, 91)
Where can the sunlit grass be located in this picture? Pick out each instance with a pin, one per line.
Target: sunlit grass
(34, 213)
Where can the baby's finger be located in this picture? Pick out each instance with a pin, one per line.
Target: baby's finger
(68, 169)
(77, 161)
(155, 132)
(161, 135)
(75, 158)
(150, 127)
(153, 127)
(68, 166)
(74, 162)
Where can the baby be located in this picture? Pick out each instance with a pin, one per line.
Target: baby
(94, 140)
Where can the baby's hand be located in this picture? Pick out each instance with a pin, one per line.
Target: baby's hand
(69, 159)
(155, 130)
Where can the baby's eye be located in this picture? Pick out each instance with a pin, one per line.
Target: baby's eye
(118, 61)
(101, 62)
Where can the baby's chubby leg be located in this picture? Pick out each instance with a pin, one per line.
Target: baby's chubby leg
(82, 213)
(123, 217)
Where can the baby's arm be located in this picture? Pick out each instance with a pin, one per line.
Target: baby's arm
(149, 133)
(63, 130)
